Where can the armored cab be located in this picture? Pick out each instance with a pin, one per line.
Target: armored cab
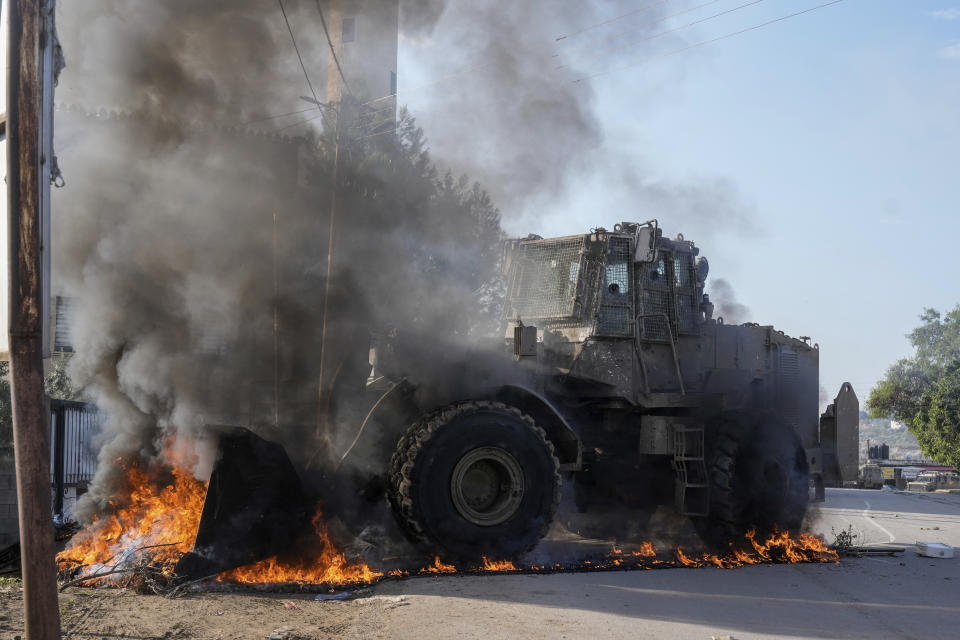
(627, 347)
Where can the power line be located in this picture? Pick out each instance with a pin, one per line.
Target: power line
(587, 45)
(297, 49)
(297, 124)
(668, 31)
(615, 19)
(705, 42)
(274, 117)
(333, 53)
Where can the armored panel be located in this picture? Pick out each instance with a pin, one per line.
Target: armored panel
(544, 279)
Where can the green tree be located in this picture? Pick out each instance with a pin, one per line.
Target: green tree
(924, 391)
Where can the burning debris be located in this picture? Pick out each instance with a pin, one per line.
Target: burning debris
(140, 544)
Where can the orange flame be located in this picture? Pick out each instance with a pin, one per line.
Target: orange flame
(157, 519)
(161, 511)
(439, 567)
(325, 565)
(497, 565)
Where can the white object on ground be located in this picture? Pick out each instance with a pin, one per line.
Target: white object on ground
(934, 549)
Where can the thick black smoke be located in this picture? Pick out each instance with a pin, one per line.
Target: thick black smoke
(196, 249)
(725, 302)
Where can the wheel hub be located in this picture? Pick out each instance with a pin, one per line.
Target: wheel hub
(487, 486)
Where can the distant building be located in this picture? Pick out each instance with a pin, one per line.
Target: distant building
(364, 35)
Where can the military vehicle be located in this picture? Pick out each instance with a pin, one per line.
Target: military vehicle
(614, 384)
(934, 481)
(871, 477)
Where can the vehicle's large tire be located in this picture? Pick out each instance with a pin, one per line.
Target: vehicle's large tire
(475, 479)
(759, 479)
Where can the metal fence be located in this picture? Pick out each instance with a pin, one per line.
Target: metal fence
(73, 459)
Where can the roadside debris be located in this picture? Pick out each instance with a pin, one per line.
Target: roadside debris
(871, 551)
(340, 595)
(934, 550)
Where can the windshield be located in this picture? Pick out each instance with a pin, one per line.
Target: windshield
(545, 277)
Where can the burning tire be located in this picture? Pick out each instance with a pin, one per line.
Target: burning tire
(760, 481)
(475, 479)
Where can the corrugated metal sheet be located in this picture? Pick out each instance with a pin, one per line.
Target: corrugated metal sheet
(74, 425)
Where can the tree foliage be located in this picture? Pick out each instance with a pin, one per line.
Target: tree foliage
(924, 391)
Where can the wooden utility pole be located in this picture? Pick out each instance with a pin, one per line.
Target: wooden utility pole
(30, 432)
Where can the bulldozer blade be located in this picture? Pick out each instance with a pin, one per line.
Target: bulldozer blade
(255, 507)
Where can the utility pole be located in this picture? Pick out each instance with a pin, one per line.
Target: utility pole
(337, 94)
(30, 432)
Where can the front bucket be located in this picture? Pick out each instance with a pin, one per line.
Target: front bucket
(254, 509)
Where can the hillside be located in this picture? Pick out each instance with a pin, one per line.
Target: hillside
(902, 443)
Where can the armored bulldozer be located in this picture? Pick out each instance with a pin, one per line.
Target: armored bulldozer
(615, 388)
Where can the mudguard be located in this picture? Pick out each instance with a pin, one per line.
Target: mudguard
(255, 507)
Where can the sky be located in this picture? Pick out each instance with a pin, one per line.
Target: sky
(836, 131)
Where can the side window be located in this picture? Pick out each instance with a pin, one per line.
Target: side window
(657, 271)
(615, 315)
(683, 271)
(656, 303)
(685, 281)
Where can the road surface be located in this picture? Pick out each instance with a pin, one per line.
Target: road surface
(875, 597)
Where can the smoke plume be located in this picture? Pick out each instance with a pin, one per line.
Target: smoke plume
(196, 249)
(725, 301)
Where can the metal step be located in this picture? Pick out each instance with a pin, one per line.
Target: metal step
(690, 467)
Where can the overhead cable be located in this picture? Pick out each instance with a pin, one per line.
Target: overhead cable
(705, 42)
(667, 32)
(611, 20)
(297, 49)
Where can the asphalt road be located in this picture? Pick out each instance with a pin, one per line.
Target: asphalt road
(873, 597)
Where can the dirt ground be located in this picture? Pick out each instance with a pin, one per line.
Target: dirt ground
(113, 613)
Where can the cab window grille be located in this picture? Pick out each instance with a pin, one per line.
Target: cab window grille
(687, 312)
(614, 317)
(545, 279)
(685, 280)
(656, 302)
(683, 271)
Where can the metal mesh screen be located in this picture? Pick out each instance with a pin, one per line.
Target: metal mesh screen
(687, 313)
(657, 299)
(545, 280)
(685, 278)
(683, 274)
(615, 313)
